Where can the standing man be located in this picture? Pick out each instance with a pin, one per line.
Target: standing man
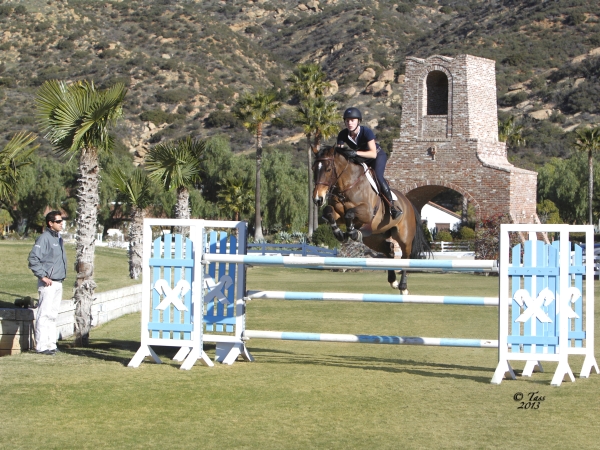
(48, 262)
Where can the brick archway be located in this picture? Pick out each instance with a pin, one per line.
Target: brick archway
(423, 191)
(458, 150)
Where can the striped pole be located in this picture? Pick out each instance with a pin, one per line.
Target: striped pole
(374, 298)
(357, 263)
(370, 339)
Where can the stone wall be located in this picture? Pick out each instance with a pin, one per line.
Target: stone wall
(16, 325)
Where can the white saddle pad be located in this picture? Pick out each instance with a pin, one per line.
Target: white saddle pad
(373, 183)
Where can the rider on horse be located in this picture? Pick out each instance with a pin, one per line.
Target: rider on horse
(363, 148)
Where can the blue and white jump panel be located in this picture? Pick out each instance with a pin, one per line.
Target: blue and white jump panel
(542, 297)
(374, 298)
(224, 287)
(170, 294)
(370, 339)
(356, 263)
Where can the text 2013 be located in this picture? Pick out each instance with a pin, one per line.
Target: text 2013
(532, 401)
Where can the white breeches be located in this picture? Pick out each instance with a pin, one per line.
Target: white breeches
(47, 313)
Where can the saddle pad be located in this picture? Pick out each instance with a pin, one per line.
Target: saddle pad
(373, 183)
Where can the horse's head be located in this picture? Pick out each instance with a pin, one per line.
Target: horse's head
(324, 172)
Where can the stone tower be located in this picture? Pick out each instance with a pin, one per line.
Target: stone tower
(449, 140)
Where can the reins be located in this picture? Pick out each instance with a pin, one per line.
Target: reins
(336, 176)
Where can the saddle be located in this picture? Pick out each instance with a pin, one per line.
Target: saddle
(370, 174)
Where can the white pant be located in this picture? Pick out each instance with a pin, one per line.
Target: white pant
(47, 313)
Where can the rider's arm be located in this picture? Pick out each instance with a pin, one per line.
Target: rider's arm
(371, 152)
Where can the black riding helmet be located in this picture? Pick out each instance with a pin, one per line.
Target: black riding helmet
(352, 113)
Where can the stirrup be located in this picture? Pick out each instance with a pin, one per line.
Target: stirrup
(395, 213)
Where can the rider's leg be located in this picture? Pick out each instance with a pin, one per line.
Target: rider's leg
(379, 167)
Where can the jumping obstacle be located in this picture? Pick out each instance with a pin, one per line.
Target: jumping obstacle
(219, 250)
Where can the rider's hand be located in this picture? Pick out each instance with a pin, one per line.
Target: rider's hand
(349, 153)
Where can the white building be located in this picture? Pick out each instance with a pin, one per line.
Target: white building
(439, 217)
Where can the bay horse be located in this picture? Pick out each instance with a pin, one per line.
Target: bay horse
(352, 201)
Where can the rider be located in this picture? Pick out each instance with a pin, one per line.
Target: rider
(361, 141)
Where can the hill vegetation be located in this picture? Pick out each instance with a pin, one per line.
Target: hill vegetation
(186, 63)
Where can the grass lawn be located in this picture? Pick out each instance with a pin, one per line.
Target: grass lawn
(17, 281)
(301, 394)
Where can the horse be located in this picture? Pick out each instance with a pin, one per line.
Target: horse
(351, 200)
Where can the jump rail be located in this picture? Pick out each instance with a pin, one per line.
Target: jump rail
(360, 263)
(369, 339)
(374, 298)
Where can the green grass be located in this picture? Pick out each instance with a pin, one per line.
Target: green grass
(17, 281)
(301, 394)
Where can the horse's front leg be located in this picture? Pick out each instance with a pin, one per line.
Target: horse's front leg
(331, 216)
(392, 279)
(355, 218)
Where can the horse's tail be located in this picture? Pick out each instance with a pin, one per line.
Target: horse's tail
(420, 246)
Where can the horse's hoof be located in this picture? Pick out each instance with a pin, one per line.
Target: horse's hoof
(404, 291)
(394, 285)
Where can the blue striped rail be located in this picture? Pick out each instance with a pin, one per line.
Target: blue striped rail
(374, 298)
(356, 263)
(370, 339)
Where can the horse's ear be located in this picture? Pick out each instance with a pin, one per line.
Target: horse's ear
(314, 149)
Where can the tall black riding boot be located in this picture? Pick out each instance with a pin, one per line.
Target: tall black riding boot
(395, 211)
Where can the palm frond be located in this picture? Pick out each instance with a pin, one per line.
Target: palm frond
(13, 156)
(77, 116)
(135, 187)
(175, 164)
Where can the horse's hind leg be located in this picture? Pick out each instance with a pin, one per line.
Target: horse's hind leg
(351, 232)
(329, 215)
(403, 286)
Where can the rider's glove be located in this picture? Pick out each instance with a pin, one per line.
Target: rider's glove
(349, 153)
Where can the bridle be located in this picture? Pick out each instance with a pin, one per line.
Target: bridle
(336, 177)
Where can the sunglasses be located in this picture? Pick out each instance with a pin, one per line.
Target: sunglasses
(56, 221)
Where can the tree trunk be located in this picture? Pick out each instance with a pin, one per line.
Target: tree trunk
(87, 214)
(136, 234)
(182, 208)
(311, 209)
(258, 235)
(315, 207)
(590, 185)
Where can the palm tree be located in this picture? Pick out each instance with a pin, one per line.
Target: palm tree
(255, 110)
(176, 165)
(13, 157)
(510, 132)
(235, 197)
(308, 81)
(588, 140)
(136, 189)
(319, 119)
(77, 118)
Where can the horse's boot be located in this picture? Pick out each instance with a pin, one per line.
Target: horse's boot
(395, 211)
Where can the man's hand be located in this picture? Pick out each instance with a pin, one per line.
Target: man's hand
(47, 281)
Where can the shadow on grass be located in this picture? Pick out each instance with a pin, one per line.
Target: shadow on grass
(427, 369)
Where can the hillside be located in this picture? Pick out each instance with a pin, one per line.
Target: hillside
(186, 62)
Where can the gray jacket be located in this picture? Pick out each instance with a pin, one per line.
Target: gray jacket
(48, 257)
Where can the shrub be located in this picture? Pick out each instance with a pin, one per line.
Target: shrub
(443, 235)
(173, 95)
(158, 116)
(65, 45)
(467, 233)
(323, 236)
(218, 119)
